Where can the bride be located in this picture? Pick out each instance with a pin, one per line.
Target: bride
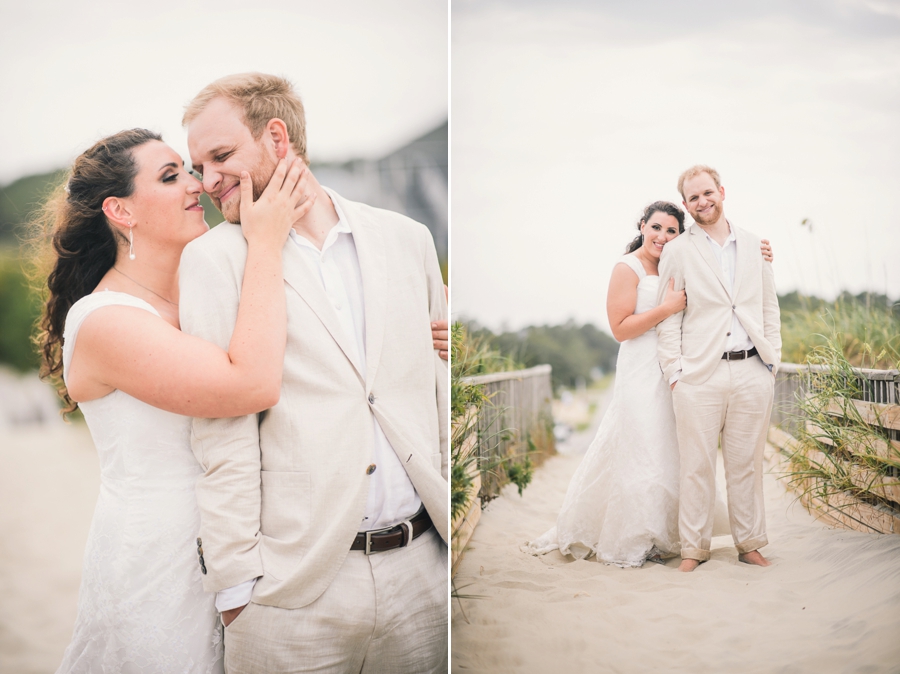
(622, 502)
(111, 327)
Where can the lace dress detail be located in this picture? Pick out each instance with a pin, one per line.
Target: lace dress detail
(622, 501)
(141, 606)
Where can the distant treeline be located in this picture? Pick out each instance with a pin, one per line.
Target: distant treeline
(576, 352)
(867, 326)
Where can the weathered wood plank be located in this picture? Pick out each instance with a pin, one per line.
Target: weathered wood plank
(863, 477)
(851, 513)
(782, 440)
(464, 526)
(876, 414)
(884, 449)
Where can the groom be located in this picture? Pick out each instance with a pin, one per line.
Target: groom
(323, 519)
(720, 356)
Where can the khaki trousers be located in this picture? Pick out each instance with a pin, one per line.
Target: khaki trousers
(383, 613)
(736, 403)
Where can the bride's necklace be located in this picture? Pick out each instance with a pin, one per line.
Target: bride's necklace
(174, 304)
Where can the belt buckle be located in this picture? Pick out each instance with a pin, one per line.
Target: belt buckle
(369, 535)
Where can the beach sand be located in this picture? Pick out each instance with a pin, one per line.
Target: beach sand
(829, 603)
(49, 481)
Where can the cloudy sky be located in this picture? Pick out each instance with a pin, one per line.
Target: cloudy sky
(373, 75)
(569, 116)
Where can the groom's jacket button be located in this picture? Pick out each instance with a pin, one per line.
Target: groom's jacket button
(370, 469)
(728, 334)
(371, 399)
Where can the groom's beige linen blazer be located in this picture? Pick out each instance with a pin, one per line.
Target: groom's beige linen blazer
(283, 492)
(694, 340)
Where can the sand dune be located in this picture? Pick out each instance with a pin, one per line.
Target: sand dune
(830, 602)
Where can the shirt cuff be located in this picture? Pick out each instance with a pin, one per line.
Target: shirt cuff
(235, 597)
(675, 377)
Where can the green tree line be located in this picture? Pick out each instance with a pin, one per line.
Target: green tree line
(865, 325)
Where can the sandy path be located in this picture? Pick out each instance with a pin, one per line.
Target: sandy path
(49, 481)
(830, 603)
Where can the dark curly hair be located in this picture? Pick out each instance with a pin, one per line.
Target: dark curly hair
(83, 245)
(666, 207)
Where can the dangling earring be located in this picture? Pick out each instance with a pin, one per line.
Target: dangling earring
(642, 238)
(130, 242)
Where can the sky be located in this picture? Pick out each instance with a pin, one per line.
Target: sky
(568, 117)
(372, 75)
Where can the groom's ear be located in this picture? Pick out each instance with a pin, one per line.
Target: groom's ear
(276, 132)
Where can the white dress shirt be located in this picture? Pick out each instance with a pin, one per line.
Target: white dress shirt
(726, 256)
(392, 498)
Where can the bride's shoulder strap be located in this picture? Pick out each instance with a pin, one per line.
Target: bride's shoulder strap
(85, 307)
(635, 265)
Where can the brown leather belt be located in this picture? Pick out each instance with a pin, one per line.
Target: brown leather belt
(739, 355)
(399, 536)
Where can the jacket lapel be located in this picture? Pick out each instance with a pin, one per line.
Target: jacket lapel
(698, 236)
(299, 277)
(369, 243)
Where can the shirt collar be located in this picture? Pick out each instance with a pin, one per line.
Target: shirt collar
(342, 227)
(731, 237)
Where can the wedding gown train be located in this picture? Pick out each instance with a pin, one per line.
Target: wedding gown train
(622, 501)
(141, 606)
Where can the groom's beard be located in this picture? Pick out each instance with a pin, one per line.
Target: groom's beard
(710, 218)
(261, 174)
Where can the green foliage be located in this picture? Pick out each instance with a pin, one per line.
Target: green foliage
(469, 356)
(20, 199)
(865, 328)
(521, 472)
(837, 451)
(574, 351)
(20, 308)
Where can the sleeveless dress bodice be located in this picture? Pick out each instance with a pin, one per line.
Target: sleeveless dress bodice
(141, 606)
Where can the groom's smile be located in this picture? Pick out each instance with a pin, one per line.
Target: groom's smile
(221, 146)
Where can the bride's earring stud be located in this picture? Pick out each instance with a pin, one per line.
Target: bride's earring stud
(130, 242)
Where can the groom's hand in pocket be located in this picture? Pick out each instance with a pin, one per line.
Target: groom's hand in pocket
(232, 613)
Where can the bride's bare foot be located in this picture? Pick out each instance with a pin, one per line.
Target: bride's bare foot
(754, 557)
(688, 565)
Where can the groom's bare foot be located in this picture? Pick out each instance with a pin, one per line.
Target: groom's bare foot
(754, 557)
(688, 565)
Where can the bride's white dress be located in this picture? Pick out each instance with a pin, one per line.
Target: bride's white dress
(622, 502)
(141, 607)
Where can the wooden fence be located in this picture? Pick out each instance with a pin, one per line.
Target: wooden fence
(516, 422)
(878, 405)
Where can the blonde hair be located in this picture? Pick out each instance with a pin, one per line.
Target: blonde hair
(693, 172)
(260, 97)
